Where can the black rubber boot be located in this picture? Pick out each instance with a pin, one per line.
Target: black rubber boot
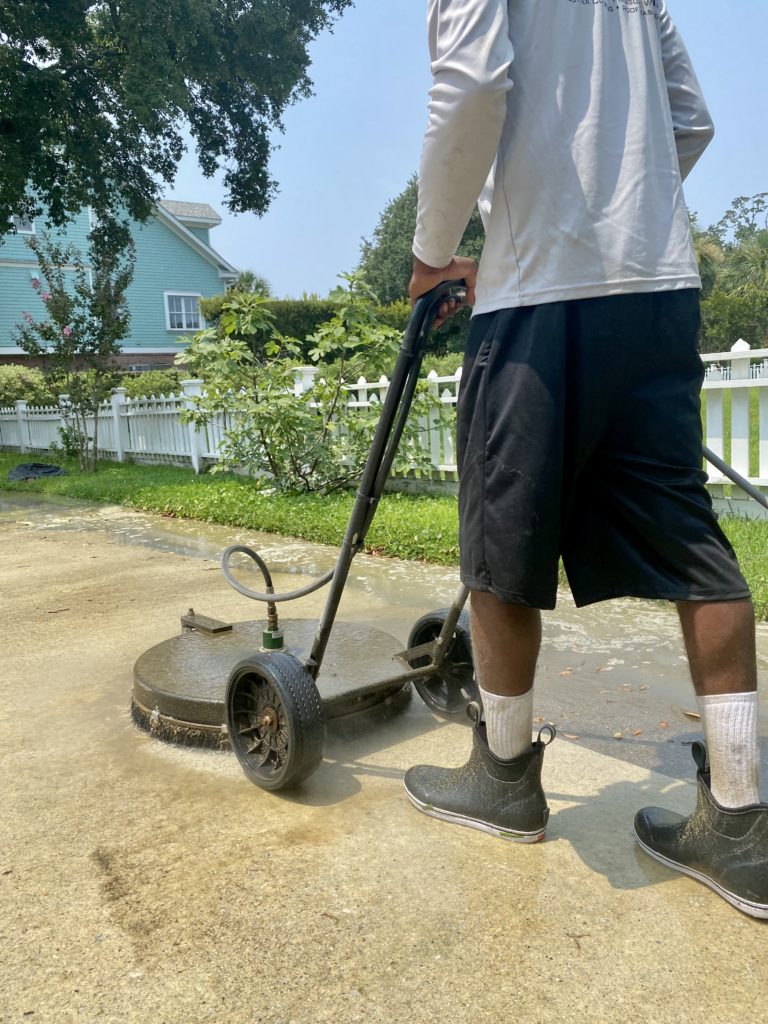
(504, 798)
(724, 848)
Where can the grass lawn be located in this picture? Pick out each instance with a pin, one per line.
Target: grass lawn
(423, 528)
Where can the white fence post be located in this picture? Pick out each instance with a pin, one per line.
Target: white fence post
(191, 389)
(740, 411)
(714, 404)
(762, 470)
(122, 431)
(434, 416)
(303, 379)
(23, 421)
(63, 407)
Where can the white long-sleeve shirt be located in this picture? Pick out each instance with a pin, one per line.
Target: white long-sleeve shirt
(573, 122)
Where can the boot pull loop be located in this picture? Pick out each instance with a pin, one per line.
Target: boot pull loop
(700, 756)
(474, 712)
(551, 732)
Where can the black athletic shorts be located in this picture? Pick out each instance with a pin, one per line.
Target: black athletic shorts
(579, 435)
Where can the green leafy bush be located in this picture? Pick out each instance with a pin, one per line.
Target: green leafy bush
(301, 318)
(311, 441)
(152, 383)
(293, 318)
(444, 366)
(24, 384)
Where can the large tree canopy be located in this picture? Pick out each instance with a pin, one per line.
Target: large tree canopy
(94, 96)
(733, 260)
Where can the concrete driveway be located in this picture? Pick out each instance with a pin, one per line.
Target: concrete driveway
(147, 883)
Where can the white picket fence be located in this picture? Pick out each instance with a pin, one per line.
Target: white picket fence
(151, 430)
(735, 401)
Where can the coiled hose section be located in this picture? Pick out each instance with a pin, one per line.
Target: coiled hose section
(270, 598)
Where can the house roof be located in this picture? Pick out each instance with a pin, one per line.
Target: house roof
(174, 222)
(198, 213)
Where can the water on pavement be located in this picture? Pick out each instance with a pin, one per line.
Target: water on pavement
(612, 677)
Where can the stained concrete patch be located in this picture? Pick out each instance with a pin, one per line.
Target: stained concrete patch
(140, 882)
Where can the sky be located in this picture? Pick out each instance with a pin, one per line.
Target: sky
(352, 147)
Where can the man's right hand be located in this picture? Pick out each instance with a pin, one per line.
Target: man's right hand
(461, 268)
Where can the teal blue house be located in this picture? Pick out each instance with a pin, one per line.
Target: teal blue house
(175, 267)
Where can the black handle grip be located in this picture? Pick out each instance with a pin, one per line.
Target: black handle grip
(435, 296)
(425, 312)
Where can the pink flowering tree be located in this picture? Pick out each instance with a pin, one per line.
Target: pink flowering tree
(86, 317)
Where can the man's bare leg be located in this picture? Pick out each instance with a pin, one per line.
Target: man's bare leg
(720, 641)
(506, 639)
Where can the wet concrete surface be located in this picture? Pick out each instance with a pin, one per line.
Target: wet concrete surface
(612, 677)
(140, 881)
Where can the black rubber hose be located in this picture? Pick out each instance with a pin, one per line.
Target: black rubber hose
(270, 596)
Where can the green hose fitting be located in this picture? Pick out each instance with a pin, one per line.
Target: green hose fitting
(272, 640)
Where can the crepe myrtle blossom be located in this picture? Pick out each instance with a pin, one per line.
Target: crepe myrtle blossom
(67, 331)
(45, 296)
(36, 283)
(27, 317)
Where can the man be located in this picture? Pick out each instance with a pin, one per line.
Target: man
(574, 123)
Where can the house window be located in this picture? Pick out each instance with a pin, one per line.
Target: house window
(182, 312)
(24, 225)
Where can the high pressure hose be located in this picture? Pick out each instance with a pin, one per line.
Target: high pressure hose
(270, 597)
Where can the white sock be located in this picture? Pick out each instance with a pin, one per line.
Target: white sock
(508, 723)
(730, 729)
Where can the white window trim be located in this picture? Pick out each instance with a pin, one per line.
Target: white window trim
(21, 231)
(181, 330)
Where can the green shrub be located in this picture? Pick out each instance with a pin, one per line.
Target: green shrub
(308, 442)
(294, 318)
(396, 314)
(300, 318)
(152, 383)
(211, 309)
(444, 366)
(24, 384)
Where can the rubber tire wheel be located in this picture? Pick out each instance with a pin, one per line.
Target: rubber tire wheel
(284, 752)
(454, 687)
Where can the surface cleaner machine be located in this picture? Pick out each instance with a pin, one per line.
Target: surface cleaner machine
(268, 691)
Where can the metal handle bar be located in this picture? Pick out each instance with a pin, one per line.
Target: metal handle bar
(737, 478)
